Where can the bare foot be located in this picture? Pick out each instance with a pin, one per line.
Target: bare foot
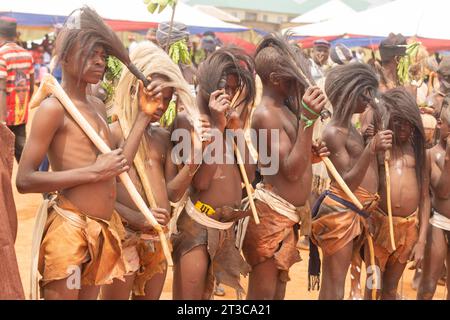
(416, 280)
(355, 295)
(219, 291)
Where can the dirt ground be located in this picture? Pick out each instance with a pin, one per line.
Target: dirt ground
(297, 288)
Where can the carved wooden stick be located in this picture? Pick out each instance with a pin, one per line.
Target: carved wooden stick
(248, 186)
(387, 157)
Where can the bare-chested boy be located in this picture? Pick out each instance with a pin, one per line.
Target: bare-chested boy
(282, 196)
(391, 50)
(79, 241)
(437, 97)
(204, 248)
(144, 258)
(437, 249)
(409, 193)
(338, 226)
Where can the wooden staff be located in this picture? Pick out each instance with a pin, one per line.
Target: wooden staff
(248, 186)
(331, 168)
(387, 173)
(50, 85)
(387, 156)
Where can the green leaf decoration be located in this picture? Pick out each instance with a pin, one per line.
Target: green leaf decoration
(406, 62)
(112, 75)
(161, 9)
(179, 51)
(152, 7)
(163, 2)
(169, 116)
(160, 5)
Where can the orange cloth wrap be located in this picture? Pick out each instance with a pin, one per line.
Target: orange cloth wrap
(406, 234)
(336, 225)
(94, 246)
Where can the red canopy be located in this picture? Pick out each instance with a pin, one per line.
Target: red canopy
(230, 39)
(123, 25)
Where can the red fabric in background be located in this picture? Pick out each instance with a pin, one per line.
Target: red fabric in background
(434, 45)
(229, 39)
(16, 67)
(123, 25)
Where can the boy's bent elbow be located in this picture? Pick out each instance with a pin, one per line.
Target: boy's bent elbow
(174, 196)
(22, 185)
(25, 182)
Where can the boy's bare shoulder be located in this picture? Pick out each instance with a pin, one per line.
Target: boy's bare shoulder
(160, 134)
(182, 121)
(52, 109)
(159, 140)
(334, 136)
(262, 111)
(332, 131)
(99, 106)
(264, 117)
(431, 153)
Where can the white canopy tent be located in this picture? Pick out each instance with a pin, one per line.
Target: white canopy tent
(218, 13)
(427, 19)
(329, 10)
(332, 27)
(32, 12)
(42, 7)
